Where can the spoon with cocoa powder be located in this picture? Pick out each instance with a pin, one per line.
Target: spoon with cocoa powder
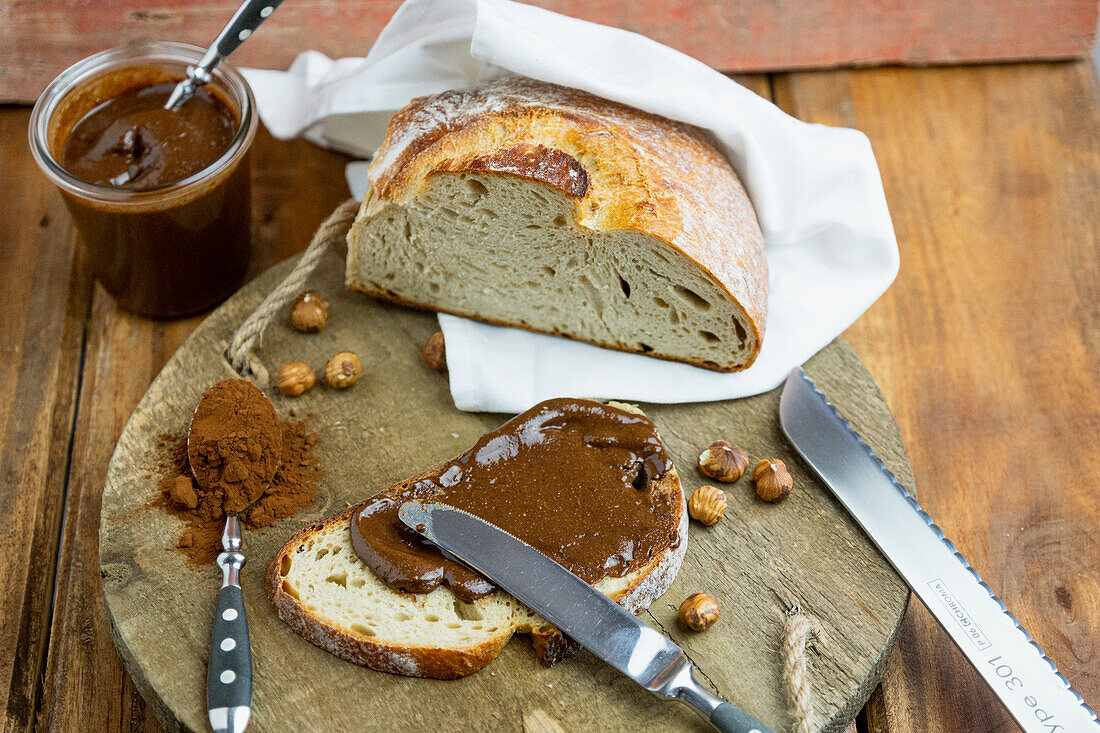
(234, 443)
(234, 449)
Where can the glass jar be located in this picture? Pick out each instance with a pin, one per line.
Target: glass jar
(169, 250)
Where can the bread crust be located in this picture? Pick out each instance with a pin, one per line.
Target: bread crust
(434, 662)
(525, 160)
(640, 172)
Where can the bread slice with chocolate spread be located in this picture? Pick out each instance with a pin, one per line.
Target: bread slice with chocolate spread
(536, 206)
(326, 593)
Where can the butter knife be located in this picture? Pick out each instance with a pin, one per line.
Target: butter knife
(579, 610)
(1031, 688)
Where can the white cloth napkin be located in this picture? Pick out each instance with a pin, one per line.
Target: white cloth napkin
(817, 191)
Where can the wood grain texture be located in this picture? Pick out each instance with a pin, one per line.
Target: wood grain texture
(42, 309)
(42, 37)
(988, 348)
(760, 560)
(86, 686)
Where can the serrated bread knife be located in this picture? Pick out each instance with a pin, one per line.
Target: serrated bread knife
(579, 610)
(1035, 693)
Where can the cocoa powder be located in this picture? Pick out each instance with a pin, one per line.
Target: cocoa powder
(234, 445)
(265, 473)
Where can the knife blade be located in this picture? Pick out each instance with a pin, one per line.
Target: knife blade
(579, 610)
(1025, 680)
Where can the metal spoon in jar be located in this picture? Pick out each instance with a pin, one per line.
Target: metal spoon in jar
(247, 19)
(229, 669)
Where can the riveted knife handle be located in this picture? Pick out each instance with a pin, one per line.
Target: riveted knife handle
(730, 719)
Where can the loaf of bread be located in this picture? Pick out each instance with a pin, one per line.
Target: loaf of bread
(321, 588)
(531, 205)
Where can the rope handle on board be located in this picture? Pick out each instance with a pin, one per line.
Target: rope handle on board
(249, 333)
(798, 635)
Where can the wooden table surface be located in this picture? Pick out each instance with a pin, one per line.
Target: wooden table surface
(987, 348)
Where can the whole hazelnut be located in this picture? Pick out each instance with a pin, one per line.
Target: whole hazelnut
(698, 612)
(434, 353)
(773, 482)
(294, 378)
(309, 312)
(707, 504)
(722, 462)
(343, 370)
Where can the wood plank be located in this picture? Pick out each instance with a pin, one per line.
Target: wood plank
(44, 37)
(85, 682)
(41, 333)
(988, 346)
(86, 688)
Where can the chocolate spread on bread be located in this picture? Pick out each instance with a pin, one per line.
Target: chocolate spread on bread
(575, 479)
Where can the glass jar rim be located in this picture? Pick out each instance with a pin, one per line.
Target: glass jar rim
(131, 55)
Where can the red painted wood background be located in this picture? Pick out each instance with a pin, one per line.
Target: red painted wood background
(41, 37)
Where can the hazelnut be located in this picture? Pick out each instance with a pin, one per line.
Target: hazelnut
(707, 504)
(309, 312)
(722, 462)
(343, 370)
(773, 482)
(698, 612)
(434, 353)
(294, 378)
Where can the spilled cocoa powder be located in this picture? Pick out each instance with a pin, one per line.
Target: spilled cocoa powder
(267, 475)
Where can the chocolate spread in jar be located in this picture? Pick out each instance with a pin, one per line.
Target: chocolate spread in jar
(575, 479)
(130, 141)
(172, 235)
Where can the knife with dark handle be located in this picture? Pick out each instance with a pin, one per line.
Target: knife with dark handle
(229, 670)
(1031, 688)
(579, 610)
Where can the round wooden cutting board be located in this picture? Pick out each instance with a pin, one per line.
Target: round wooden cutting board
(761, 560)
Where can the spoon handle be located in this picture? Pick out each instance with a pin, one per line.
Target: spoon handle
(247, 19)
(229, 670)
